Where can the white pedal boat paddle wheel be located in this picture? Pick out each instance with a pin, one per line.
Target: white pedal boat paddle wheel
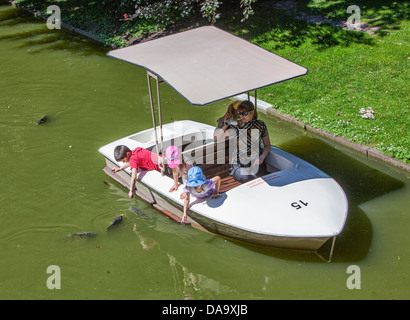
(295, 205)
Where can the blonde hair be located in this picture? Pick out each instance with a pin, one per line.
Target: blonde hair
(233, 109)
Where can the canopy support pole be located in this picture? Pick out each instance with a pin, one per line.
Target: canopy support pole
(160, 159)
(256, 98)
(332, 248)
(331, 251)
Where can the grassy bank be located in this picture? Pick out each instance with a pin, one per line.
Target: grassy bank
(348, 70)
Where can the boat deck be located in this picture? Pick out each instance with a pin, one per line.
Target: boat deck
(214, 160)
(228, 183)
(221, 170)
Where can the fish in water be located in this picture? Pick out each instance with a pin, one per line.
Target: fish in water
(117, 220)
(82, 235)
(135, 210)
(42, 120)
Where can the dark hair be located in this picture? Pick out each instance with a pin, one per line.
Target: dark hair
(120, 152)
(247, 105)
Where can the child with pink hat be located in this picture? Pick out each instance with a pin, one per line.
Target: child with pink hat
(179, 166)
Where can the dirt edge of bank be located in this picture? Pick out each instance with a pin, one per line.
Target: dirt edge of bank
(368, 151)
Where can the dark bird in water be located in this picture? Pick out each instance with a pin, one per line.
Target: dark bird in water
(82, 235)
(135, 210)
(117, 220)
(42, 120)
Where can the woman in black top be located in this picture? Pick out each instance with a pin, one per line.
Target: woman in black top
(252, 144)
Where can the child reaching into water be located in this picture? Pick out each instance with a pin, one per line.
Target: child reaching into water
(199, 187)
(136, 159)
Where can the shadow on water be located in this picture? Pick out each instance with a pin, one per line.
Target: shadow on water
(360, 182)
(9, 16)
(39, 37)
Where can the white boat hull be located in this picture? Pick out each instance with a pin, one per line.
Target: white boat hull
(296, 207)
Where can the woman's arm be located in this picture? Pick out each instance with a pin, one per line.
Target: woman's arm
(220, 132)
(265, 152)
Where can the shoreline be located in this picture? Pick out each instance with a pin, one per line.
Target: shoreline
(265, 107)
(64, 25)
(369, 152)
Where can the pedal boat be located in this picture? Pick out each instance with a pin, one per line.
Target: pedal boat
(294, 206)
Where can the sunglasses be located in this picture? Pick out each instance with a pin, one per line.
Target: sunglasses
(245, 113)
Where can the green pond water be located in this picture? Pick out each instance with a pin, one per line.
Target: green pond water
(52, 185)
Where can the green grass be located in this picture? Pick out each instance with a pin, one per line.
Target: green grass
(348, 70)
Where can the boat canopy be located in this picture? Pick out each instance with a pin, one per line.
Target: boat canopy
(207, 64)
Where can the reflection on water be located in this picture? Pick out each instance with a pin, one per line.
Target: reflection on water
(187, 284)
(192, 285)
(360, 182)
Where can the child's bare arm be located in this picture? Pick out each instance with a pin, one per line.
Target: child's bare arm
(133, 179)
(124, 166)
(217, 181)
(175, 175)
